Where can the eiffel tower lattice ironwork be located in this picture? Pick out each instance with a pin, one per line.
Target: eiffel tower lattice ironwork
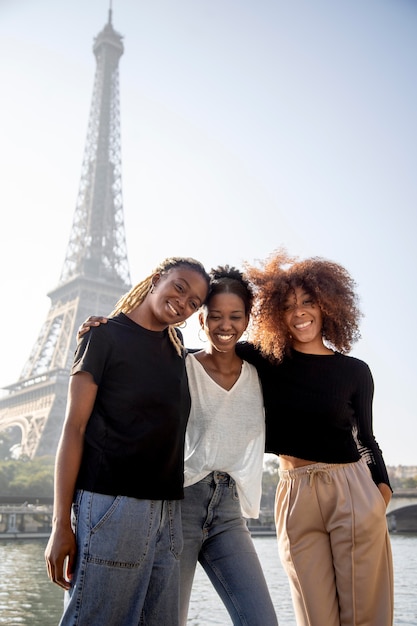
(95, 271)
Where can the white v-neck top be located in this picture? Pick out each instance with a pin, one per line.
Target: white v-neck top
(226, 432)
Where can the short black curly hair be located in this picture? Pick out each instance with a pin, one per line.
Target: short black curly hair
(327, 282)
(226, 279)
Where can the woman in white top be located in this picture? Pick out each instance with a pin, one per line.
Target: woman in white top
(225, 443)
(224, 449)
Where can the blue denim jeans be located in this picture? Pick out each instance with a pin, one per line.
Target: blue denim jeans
(215, 534)
(127, 567)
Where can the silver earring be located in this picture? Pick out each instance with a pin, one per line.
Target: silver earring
(245, 336)
(182, 325)
(199, 336)
(152, 288)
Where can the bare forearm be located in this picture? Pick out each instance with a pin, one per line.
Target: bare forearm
(67, 466)
(60, 553)
(81, 396)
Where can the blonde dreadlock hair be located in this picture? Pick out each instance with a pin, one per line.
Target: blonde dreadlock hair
(138, 293)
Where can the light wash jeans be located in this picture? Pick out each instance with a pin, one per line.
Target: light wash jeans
(215, 534)
(127, 567)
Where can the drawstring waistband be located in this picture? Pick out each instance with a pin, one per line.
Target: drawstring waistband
(322, 470)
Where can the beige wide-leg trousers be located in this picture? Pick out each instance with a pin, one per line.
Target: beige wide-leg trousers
(334, 545)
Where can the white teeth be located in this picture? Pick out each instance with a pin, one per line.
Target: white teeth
(302, 325)
(172, 309)
(225, 337)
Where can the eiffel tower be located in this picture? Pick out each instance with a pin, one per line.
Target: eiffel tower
(95, 271)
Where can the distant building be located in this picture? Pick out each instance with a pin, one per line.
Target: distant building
(402, 471)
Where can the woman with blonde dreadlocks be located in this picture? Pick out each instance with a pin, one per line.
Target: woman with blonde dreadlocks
(116, 535)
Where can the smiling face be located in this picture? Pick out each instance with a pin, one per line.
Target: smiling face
(304, 321)
(175, 296)
(224, 321)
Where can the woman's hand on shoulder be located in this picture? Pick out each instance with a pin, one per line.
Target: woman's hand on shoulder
(93, 320)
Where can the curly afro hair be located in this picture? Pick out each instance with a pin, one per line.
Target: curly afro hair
(328, 283)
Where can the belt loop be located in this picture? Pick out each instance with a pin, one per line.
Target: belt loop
(222, 477)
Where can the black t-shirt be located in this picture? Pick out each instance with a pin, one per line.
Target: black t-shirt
(134, 440)
(319, 407)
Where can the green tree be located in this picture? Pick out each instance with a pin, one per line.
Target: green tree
(27, 478)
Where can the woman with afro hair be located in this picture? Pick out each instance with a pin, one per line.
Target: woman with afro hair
(331, 499)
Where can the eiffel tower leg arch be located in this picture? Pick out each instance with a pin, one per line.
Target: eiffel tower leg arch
(11, 421)
(39, 437)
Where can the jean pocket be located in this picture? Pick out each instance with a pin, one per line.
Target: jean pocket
(102, 508)
(75, 510)
(120, 530)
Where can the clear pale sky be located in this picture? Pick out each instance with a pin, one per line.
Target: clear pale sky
(246, 125)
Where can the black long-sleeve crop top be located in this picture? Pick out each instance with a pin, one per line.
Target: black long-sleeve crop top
(319, 407)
